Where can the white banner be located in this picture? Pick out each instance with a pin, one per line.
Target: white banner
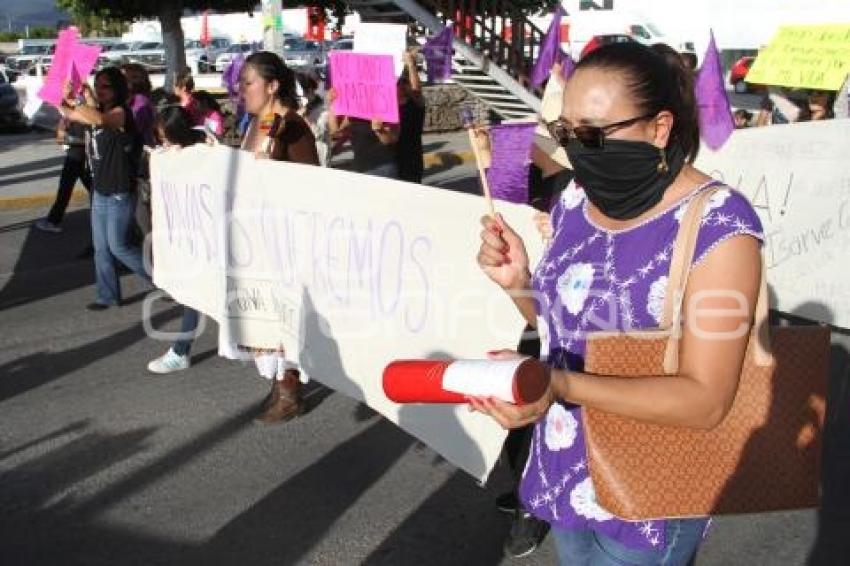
(363, 270)
(382, 39)
(798, 178)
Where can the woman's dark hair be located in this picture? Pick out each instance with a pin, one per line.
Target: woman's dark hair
(184, 79)
(657, 80)
(272, 68)
(137, 77)
(206, 100)
(176, 125)
(117, 82)
(307, 82)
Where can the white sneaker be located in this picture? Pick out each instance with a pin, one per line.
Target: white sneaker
(169, 362)
(46, 225)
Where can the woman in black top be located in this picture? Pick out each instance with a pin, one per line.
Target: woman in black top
(113, 151)
(72, 135)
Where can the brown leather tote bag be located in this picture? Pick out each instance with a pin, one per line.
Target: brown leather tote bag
(764, 455)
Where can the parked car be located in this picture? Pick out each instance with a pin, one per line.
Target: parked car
(114, 54)
(223, 60)
(27, 56)
(205, 57)
(343, 44)
(298, 52)
(11, 117)
(151, 54)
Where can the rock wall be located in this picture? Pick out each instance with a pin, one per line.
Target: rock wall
(443, 104)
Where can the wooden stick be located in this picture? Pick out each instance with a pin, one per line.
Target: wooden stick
(481, 173)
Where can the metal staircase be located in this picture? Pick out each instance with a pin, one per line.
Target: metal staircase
(495, 46)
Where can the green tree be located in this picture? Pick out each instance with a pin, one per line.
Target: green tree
(168, 13)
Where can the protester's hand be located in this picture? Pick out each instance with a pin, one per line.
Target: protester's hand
(377, 124)
(88, 95)
(330, 96)
(508, 415)
(543, 223)
(482, 138)
(67, 91)
(409, 56)
(502, 255)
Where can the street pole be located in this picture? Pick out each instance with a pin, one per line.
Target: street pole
(272, 26)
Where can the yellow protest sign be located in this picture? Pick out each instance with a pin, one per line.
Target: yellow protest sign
(810, 56)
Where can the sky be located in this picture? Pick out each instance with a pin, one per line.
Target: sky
(737, 24)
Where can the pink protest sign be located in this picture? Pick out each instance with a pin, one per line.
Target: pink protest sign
(365, 86)
(69, 54)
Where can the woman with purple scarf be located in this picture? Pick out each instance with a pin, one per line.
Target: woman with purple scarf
(630, 129)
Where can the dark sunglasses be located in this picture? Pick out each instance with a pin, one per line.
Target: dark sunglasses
(592, 137)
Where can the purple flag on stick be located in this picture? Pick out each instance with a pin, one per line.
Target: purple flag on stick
(716, 123)
(438, 55)
(568, 66)
(508, 173)
(550, 50)
(230, 76)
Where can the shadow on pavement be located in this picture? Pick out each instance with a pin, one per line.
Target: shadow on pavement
(458, 524)
(284, 526)
(54, 162)
(40, 368)
(47, 263)
(46, 174)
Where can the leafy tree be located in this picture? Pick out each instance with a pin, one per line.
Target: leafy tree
(92, 21)
(168, 12)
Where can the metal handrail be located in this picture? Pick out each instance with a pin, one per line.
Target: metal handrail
(483, 25)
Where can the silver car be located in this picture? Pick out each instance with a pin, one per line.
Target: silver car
(223, 60)
(150, 54)
(298, 52)
(205, 57)
(28, 57)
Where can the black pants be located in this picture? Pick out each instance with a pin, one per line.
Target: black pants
(519, 439)
(73, 168)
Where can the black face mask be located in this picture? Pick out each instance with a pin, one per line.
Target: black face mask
(623, 179)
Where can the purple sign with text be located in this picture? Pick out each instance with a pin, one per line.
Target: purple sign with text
(365, 86)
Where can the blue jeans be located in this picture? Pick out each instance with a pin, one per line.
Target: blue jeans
(388, 170)
(590, 548)
(110, 221)
(188, 325)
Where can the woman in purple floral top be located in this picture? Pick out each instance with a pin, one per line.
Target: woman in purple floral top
(631, 131)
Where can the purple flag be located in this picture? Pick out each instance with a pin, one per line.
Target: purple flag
(568, 66)
(438, 55)
(230, 76)
(716, 123)
(508, 173)
(550, 50)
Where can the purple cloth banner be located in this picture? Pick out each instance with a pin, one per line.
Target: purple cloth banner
(438, 55)
(508, 173)
(716, 123)
(550, 50)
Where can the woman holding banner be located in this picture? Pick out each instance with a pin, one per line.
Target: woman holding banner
(277, 132)
(174, 128)
(631, 132)
(113, 149)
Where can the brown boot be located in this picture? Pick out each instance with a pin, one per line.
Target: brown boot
(284, 401)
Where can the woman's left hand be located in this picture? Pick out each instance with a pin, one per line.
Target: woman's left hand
(508, 415)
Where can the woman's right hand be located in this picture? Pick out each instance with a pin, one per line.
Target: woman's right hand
(502, 255)
(543, 223)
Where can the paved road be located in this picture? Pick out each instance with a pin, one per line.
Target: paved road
(103, 463)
